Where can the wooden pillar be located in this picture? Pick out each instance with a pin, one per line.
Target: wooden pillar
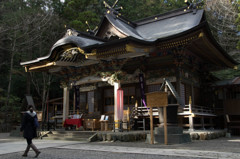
(74, 102)
(191, 122)
(178, 82)
(191, 128)
(128, 119)
(116, 85)
(202, 122)
(151, 126)
(211, 123)
(65, 103)
(165, 125)
(192, 93)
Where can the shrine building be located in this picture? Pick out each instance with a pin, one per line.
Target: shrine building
(175, 48)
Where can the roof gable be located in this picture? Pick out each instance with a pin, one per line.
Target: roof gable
(151, 28)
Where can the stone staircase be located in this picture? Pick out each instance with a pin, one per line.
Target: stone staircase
(70, 135)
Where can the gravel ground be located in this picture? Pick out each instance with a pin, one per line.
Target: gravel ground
(53, 153)
(228, 145)
(220, 145)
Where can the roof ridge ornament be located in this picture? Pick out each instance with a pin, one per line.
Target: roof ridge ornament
(194, 5)
(89, 30)
(112, 9)
(70, 31)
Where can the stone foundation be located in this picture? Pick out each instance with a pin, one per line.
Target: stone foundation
(175, 135)
(207, 135)
(122, 136)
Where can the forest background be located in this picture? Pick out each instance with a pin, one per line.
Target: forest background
(28, 29)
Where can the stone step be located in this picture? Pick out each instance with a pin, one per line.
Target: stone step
(66, 138)
(70, 135)
(74, 132)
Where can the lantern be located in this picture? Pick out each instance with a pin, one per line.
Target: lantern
(120, 104)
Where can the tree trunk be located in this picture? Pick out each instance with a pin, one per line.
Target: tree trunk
(10, 71)
(28, 87)
(45, 94)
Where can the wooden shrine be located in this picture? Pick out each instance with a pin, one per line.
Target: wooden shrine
(177, 45)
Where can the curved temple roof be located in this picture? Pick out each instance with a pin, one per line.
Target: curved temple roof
(80, 41)
(150, 30)
(159, 26)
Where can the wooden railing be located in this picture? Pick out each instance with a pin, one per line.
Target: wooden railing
(144, 111)
(197, 109)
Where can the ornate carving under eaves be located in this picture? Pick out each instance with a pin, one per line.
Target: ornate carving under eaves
(74, 54)
(178, 55)
(113, 65)
(112, 77)
(117, 76)
(160, 73)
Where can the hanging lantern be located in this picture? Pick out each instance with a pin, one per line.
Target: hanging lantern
(120, 104)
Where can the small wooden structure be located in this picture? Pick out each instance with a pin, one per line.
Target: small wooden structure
(158, 99)
(227, 94)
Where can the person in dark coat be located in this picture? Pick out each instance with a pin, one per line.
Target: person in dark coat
(29, 128)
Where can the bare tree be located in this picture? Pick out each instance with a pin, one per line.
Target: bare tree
(25, 28)
(222, 15)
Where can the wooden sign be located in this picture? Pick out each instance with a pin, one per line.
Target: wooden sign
(157, 99)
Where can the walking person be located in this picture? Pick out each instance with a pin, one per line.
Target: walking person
(29, 128)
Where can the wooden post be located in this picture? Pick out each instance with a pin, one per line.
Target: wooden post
(165, 125)
(128, 119)
(191, 127)
(202, 122)
(190, 104)
(74, 102)
(102, 125)
(190, 118)
(151, 125)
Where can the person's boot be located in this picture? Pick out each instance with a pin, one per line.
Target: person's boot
(26, 151)
(35, 149)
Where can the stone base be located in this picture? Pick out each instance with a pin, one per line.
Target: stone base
(170, 130)
(122, 136)
(207, 135)
(175, 135)
(172, 138)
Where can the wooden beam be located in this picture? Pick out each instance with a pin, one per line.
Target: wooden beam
(165, 125)
(151, 126)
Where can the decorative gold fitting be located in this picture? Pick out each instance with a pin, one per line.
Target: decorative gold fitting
(200, 35)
